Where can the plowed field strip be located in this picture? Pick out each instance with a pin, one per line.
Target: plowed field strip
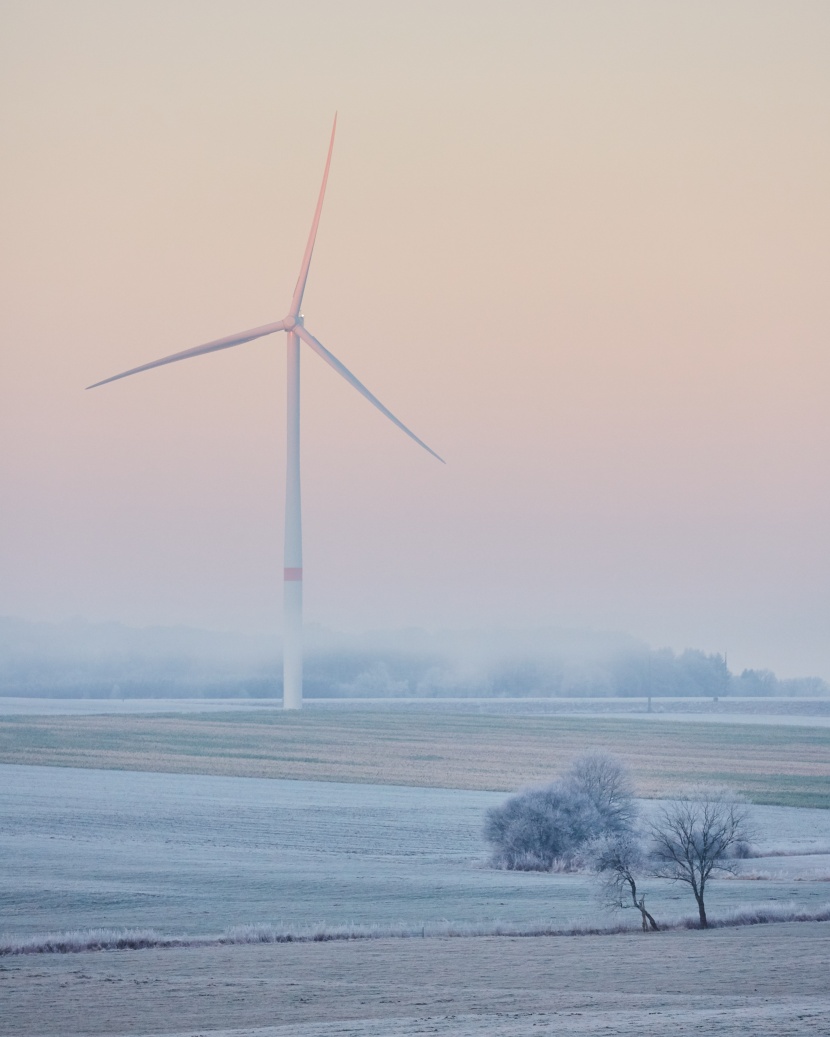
(749, 982)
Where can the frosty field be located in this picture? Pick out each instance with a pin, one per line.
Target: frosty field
(196, 854)
(194, 825)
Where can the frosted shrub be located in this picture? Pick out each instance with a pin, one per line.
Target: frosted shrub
(537, 828)
(545, 828)
(605, 781)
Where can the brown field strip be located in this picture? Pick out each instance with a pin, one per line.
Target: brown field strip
(786, 765)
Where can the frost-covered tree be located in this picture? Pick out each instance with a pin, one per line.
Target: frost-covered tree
(699, 832)
(605, 781)
(619, 860)
(540, 827)
(537, 828)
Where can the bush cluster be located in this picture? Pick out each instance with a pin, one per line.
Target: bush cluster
(544, 828)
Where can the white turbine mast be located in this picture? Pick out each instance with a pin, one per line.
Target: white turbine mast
(293, 325)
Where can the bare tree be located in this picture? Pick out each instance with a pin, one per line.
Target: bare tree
(697, 833)
(618, 860)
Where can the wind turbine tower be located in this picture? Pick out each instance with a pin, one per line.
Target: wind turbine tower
(294, 327)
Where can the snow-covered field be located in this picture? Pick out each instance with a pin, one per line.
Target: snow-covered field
(190, 855)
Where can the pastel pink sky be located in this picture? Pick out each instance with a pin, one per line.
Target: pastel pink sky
(580, 248)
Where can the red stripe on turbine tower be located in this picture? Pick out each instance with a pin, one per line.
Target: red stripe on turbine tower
(292, 574)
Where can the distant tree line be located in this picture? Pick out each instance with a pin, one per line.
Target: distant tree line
(110, 660)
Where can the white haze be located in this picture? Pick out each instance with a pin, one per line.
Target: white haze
(80, 659)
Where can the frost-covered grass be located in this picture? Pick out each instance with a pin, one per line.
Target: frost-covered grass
(789, 850)
(126, 852)
(754, 914)
(756, 875)
(139, 939)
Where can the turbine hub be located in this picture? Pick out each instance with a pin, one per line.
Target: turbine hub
(293, 322)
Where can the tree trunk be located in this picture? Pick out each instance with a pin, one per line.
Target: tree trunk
(702, 912)
(648, 921)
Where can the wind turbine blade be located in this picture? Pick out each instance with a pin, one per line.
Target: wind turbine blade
(332, 360)
(208, 347)
(297, 300)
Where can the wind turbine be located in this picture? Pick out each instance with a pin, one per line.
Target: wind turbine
(293, 325)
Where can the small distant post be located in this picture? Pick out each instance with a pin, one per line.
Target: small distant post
(650, 682)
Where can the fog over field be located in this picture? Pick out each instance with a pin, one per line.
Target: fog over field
(110, 660)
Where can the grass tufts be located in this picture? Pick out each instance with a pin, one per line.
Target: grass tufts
(81, 940)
